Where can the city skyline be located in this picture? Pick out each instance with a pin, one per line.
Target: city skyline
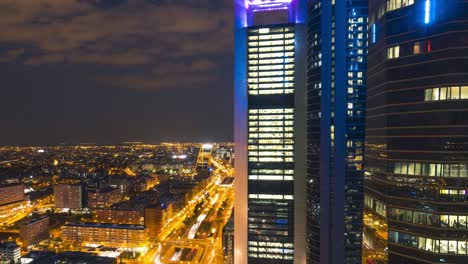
(234, 132)
(108, 71)
(140, 203)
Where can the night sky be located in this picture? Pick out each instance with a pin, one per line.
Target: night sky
(107, 71)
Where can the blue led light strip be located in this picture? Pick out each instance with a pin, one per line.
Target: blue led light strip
(427, 12)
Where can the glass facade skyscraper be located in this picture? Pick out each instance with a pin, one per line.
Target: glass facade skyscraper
(416, 136)
(270, 116)
(336, 93)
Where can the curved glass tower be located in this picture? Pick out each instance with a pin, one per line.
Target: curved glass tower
(416, 135)
(270, 129)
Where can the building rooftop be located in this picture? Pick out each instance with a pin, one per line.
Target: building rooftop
(107, 225)
(82, 258)
(106, 189)
(10, 184)
(30, 221)
(8, 245)
(47, 257)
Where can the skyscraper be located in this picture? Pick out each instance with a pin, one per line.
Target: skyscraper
(270, 131)
(416, 135)
(336, 94)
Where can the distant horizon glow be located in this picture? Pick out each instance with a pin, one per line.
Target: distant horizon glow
(207, 146)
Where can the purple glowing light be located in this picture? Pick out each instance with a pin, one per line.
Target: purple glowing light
(266, 3)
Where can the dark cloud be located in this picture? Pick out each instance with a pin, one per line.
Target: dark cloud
(155, 46)
(70, 27)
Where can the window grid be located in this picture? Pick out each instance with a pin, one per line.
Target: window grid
(271, 61)
(456, 170)
(456, 247)
(446, 93)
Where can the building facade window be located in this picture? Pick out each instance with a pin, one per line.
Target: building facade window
(456, 221)
(375, 205)
(271, 139)
(457, 247)
(397, 4)
(393, 52)
(422, 46)
(271, 61)
(431, 169)
(446, 93)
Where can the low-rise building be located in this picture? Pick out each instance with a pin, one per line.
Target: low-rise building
(35, 230)
(9, 251)
(228, 241)
(115, 235)
(156, 216)
(68, 196)
(11, 193)
(38, 257)
(119, 216)
(47, 257)
(103, 197)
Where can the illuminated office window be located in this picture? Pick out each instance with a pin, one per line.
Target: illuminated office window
(271, 57)
(270, 149)
(456, 170)
(435, 245)
(417, 47)
(393, 52)
(397, 4)
(446, 93)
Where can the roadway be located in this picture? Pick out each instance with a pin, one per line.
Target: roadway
(13, 215)
(194, 235)
(375, 240)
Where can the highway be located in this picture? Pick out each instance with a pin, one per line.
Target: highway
(13, 215)
(194, 235)
(375, 240)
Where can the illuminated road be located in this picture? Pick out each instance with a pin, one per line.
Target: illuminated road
(194, 229)
(9, 161)
(375, 237)
(194, 235)
(13, 215)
